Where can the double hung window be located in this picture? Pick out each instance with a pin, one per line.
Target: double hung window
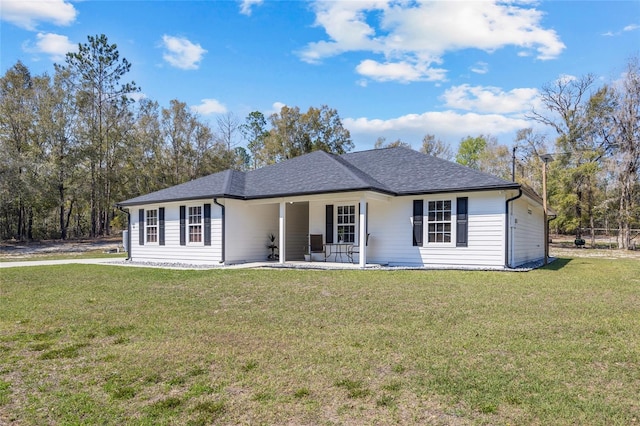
(195, 224)
(346, 223)
(439, 221)
(151, 225)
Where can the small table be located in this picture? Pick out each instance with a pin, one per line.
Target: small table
(336, 250)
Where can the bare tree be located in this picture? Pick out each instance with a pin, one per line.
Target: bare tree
(228, 130)
(436, 147)
(627, 120)
(567, 111)
(380, 143)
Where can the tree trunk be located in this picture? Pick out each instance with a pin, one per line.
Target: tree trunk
(30, 225)
(63, 228)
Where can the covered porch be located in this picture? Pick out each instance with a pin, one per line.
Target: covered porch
(339, 221)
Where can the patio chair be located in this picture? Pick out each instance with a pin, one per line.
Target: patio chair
(316, 245)
(355, 249)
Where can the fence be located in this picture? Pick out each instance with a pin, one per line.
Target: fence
(608, 237)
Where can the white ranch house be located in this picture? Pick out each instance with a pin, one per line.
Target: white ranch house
(417, 210)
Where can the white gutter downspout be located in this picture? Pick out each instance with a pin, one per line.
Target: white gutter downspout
(507, 226)
(215, 201)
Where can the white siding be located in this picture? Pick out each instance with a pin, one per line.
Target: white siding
(172, 251)
(527, 228)
(248, 226)
(391, 229)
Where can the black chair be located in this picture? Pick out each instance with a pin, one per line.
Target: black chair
(355, 249)
(316, 245)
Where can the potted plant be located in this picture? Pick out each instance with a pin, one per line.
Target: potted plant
(340, 235)
(307, 254)
(273, 247)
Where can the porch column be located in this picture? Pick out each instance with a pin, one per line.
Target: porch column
(281, 239)
(362, 240)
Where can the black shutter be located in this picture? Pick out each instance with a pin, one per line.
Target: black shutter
(329, 224)
(141, 226)
(418, 209)
(462, 228)
(161, 226)
(183, 227)
(207, 224)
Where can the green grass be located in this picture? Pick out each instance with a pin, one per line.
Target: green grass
(91, 254)
(91, 344)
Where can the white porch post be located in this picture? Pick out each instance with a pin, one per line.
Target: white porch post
(362, 261)
(282, 221)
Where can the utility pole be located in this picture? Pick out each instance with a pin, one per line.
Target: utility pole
(513, 164)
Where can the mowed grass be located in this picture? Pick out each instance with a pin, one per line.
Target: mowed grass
(90, 254)
(88, 344)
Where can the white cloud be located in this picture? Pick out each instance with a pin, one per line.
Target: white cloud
(403, 71)
(209, 106)
(276, 107)
(413, 36)
(247, 5)
(27, 13)
(449, 122)
(480, 68)
(490, 99)
(182, 53)
(632, 27)
(450, 126)
(54, 45)
(565, 79)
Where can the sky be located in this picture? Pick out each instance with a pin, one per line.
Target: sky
(397, 69)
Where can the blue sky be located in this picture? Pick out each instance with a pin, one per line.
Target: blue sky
(397, 69)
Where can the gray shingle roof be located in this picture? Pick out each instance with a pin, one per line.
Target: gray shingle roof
(395, 171)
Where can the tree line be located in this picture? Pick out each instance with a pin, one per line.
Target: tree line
(74, 143)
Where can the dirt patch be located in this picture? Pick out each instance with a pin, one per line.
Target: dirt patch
(15, 249)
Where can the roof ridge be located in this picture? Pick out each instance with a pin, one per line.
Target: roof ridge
(228, 182)
(349, 167)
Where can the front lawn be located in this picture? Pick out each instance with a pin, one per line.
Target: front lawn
(86, 344)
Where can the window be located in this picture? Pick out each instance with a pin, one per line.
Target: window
(195, 224)
(152, 226)
(346, 218)
(439, 221)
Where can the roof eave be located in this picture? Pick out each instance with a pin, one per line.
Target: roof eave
(463, 189)
(175, 200)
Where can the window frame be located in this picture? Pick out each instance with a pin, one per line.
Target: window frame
(151, 223)
(341, 224)
(439, 215)
(191, 227)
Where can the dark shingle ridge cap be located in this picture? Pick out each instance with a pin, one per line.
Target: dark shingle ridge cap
(367, 181)
(228, 178)
(234, 184)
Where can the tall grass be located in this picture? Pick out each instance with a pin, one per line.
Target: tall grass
(83, 344)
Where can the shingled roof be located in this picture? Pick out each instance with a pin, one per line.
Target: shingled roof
(393, 171)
